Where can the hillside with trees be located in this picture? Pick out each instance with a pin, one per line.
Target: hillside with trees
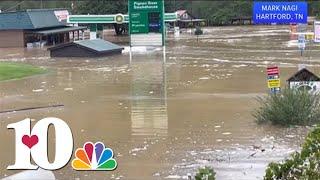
(216, 12)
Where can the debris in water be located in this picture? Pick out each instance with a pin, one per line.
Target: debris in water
(173, 177)
(204, 78)
(32, 108)
(68, 89)
(37, 90)
(226, 133)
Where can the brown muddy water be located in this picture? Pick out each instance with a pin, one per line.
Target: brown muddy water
(165, 113)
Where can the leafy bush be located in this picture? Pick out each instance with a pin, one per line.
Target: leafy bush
(205, 173)
(303, 165)
(198, 31)
(289, 107)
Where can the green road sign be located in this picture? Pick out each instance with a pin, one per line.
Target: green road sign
(146, 17)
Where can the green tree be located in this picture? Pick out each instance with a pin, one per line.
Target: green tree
(102, 7)
(36, 4)
(301, 165)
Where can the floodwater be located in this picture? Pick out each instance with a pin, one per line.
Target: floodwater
(164, 112)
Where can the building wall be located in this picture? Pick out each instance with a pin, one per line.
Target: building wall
(11, 38)
(314, 86)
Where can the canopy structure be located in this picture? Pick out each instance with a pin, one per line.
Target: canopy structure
(111, 18)
(58, 30)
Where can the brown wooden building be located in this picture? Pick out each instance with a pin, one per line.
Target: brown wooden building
(42, 26)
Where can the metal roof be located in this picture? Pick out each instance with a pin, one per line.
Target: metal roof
(29, 19)
(95, 45)
(98, 45)
(304, 75)
(58, 30)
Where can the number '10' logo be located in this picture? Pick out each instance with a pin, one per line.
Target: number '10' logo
(34, 143)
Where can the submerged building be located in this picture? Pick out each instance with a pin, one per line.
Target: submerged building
(42, 26)
(304, 80)
(85, 48)
(185, 19)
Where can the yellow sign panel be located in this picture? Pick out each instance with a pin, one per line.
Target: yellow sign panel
(273, 83)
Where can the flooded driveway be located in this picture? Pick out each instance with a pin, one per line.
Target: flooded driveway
(165, 113)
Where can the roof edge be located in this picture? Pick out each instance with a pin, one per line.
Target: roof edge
(291, 77)
(30, 10)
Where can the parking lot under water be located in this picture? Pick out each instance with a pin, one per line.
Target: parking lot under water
(164, 112)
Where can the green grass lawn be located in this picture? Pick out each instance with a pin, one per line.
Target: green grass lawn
(10, 70)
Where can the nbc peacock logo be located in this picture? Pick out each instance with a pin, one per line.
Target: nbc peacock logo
(94, 157)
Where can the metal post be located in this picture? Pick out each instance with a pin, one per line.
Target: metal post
(40, 40)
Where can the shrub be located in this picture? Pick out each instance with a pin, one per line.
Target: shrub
(289, 107)
(303, 165)
(205, 173)
(198, 31)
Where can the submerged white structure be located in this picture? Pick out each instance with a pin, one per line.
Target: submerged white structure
(304, 79)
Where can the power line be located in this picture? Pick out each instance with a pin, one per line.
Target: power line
(14, 6)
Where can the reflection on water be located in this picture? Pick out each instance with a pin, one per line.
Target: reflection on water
(149, 114)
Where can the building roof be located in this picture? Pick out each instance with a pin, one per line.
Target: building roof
(304, 75)
(98, 45)
(180, 12)
(29, 19)
(192, 20)
(95, 45)
(58, 30)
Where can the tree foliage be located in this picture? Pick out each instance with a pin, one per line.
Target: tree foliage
(206, 173)
(102, 7)
(216, 12)
(301, 165)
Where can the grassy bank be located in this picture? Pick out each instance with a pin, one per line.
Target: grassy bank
(10, 70)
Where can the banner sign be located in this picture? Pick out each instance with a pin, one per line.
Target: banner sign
(274, 83)
(280, 12)
(62, 15)
(273, 79)
(272, 71)
(317, 31)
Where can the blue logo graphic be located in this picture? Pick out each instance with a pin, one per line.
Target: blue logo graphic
(280, 12)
